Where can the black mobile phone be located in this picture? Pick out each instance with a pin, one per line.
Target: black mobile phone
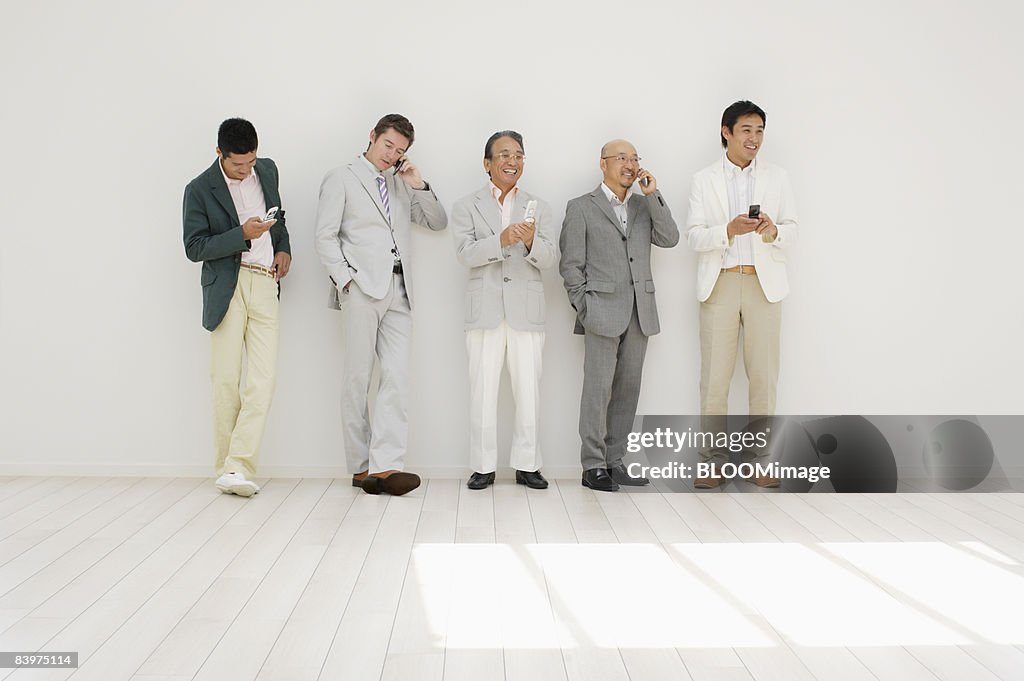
(398, 164)
(754, 212)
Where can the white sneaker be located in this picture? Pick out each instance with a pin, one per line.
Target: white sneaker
(235, 483)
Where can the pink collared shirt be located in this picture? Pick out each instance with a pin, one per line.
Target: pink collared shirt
(247, 195)
(504, 208)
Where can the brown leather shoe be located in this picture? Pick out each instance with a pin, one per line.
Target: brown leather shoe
(357, 478)
(395, 483)
(765, 481)
(707, 482)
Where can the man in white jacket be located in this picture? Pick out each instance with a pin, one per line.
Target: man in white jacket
(742, 222)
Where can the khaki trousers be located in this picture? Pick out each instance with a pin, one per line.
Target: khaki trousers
(250, 326)
(736, 302)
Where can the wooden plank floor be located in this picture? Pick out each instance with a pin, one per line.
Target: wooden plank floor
(154, 579)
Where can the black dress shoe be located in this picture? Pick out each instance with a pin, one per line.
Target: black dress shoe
(480, 480)
(532, 479)
(621, 475)
(598, 478)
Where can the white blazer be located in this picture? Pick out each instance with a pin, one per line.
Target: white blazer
(503, 283)
(709, 216)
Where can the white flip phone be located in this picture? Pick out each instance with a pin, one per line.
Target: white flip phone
(531, 211)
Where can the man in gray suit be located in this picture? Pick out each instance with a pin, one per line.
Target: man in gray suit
(606, 265)
(364, 217)
(504, 236)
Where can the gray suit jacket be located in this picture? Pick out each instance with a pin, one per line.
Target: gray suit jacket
(503, 283)
(604, 270)
(353, 236)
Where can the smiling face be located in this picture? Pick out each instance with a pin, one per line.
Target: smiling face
(505, 166)
(386, 148)
(744, 140)
(619, 165)
(237, 166)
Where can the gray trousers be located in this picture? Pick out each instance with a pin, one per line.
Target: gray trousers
(375, 328)
(612, 369)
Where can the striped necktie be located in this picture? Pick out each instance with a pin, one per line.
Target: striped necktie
(383, 187)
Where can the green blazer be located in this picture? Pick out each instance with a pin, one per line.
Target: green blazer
(213, 234)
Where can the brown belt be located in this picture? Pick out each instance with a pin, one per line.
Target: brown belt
(259, 269)
(741, 269)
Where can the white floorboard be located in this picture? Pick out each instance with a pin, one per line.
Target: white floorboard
(169, 580)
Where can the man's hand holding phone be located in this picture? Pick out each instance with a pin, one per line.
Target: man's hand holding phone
(648, 184)
(409, 173)
(525, 232)
(509, 236)
(255, 227)
(742, 224)
(766, 228)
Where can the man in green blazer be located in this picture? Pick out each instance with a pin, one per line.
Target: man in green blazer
(244, 258)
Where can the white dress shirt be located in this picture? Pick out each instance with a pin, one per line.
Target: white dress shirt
(739, 184)
(618, 206)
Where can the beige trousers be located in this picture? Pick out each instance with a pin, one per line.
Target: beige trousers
(250, 326)
(737, 301)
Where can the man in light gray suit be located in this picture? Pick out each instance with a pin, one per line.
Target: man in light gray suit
(364, 217)
(503, 234)
(606, 265)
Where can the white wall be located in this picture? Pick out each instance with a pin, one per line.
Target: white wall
(897, 123)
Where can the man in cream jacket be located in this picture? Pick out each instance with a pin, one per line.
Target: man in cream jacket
(742, 222)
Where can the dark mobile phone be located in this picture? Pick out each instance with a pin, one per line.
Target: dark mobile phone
(754, 212)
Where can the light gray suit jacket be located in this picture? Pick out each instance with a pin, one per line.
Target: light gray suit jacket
(353, 236)
(604, 270)
(504, 283)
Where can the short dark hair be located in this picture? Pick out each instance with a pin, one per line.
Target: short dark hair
(236, 136)
(399, 123)
(489, 146)
(736, 111)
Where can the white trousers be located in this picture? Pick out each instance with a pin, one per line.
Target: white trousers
(487, 349)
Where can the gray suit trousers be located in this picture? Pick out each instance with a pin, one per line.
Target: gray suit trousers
(612, 369)
(380, 328)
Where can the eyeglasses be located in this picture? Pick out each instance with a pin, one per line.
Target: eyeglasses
(505, 156)
(622, 158)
